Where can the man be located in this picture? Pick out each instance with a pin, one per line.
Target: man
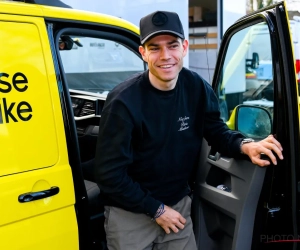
(150, 137)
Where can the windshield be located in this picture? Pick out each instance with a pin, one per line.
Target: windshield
(97, 65)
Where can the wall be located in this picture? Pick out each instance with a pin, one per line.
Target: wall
(203, 61)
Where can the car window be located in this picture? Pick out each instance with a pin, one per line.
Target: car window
(97, 65)
(247, 75)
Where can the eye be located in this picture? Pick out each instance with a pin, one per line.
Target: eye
(153, 49)
(174, 46)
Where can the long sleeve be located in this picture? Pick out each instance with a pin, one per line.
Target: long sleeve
(113, 155)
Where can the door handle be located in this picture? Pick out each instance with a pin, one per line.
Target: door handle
(215, 157)
(33, 196)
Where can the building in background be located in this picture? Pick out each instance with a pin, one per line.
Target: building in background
(292, 5)
(207, 29)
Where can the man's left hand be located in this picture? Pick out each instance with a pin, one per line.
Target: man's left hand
(267, 147)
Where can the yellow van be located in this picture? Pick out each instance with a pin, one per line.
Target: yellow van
(57, 66)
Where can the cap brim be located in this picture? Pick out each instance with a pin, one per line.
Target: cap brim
(159, 32)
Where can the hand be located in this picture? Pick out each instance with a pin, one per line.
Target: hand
(171, 220)
(266, 146)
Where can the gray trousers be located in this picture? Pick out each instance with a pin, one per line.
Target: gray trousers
(132, 231)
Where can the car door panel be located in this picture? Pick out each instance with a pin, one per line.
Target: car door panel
(40, 218)
(255, 70)
(223, 212)
(33, 147)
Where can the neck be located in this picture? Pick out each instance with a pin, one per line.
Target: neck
(160, 84)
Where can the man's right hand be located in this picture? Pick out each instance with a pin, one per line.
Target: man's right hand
(171, 220)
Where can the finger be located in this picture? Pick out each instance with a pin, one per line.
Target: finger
(179, 225)
(277, 143)
(277, 150)
(270, 146)
(271, 139)
(260, 162)
(167, 230)
(175, 229)
(182, 220)
(269, 153)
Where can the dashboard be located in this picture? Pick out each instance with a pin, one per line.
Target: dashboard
(85, 107)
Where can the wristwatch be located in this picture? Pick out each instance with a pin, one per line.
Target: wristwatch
(244, 141)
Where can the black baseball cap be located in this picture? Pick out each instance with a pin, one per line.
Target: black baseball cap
(160, 22)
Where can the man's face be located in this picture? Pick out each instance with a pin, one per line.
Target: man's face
(164, 55)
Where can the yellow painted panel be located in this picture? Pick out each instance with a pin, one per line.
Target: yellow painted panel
(42, 232)
(16, 8)
(30, 146)
(14, 185)
(27, 129)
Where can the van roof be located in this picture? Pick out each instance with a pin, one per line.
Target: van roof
(29, 9)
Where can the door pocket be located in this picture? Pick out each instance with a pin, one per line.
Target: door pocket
(219, 178)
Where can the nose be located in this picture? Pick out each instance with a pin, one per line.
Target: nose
(164, 54)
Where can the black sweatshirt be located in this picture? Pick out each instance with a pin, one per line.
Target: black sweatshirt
(149, 140)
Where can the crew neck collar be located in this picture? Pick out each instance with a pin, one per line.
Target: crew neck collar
(155, 90)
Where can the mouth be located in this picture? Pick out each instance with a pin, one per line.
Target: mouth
(166, 66)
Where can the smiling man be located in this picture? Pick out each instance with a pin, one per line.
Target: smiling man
(149, 141)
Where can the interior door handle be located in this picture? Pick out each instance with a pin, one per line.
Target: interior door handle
(215, 157)
(33, 196)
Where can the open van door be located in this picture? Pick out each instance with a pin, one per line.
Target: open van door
(238, 205)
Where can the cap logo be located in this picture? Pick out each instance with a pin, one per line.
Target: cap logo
(159, 19)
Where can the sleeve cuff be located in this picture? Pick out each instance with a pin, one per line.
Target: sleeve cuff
(237, 146)
(151, 205)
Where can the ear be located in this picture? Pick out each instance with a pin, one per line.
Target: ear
(142, 51)
(185, 45)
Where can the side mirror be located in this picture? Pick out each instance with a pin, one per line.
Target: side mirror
(255, 60)
(252, 63)
(65, 43)
(253, 121)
